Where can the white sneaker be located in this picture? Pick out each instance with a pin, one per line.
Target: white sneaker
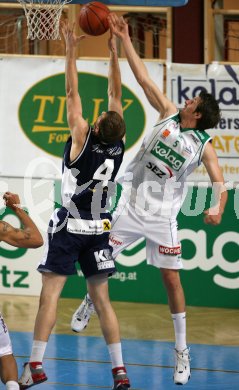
(32, 375)
(182, 371)
(82, 315)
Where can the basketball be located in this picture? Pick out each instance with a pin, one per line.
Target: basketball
(93, 18)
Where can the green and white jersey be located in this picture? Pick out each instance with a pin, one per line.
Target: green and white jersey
(159, 170)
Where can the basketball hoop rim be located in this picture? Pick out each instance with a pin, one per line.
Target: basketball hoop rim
(44, 3)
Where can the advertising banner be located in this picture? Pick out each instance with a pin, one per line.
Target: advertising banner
(33, 109)
(185, 81)
(33, 133)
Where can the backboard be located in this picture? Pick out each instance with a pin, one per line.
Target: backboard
(145, 3)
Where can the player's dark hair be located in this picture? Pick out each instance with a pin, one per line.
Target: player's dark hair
(210, 111)
(111, 128)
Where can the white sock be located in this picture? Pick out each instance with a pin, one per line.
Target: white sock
(179, 322)
(38, 350)
(12, 385)
(115, 352)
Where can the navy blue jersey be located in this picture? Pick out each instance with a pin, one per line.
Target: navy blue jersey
(87, 182)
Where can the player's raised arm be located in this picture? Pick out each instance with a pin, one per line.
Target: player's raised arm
(156, 98)
(114, 79)
(78, 125)
(27, 237)
(213, 215)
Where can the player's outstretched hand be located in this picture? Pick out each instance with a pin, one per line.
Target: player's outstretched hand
(212, 216)
(69, 35)
(118, 26)
(12, 200)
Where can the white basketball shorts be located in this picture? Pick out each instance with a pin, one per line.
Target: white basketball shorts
(163, 248)
(5, 342)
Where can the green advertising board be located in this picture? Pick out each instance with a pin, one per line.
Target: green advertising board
(210, 255)
(43, 117)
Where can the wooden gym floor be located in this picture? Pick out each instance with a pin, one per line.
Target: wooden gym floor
(82, 361)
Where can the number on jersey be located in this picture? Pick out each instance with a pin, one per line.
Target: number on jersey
(104, 172)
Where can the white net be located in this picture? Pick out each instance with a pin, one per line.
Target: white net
(43, 18)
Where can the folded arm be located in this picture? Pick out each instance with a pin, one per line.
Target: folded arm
(27, 237)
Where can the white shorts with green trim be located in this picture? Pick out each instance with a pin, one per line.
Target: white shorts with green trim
(163, 248)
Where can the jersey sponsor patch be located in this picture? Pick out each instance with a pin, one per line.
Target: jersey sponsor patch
(88, 227)
(167, 155)
(165, 133)
(188, 149)
(104, 259)
(114, 241)
(106, 225)
(156, 170)
(195, 139)
(171, 251)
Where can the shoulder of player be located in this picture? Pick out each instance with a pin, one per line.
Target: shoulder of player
(209, 152)
(79, 131)
(174, 118)
(197, 137)
(203, 136)
(73, 150)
